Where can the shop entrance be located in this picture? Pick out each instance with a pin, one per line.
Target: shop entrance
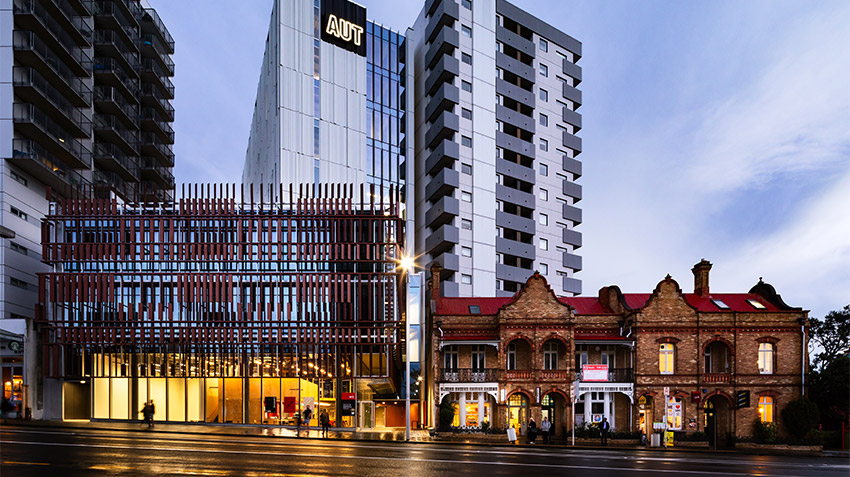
(518, 412)
(553, 408)
(367, 414)
(717, 421)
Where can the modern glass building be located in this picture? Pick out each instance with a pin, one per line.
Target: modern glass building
(222, 311)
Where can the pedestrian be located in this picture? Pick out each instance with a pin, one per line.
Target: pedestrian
(532, 430)
(146, 413)
(151, 413)
(308, 414)
(325, 421)
(605, 427)
(545, 426)
(6, 407)
(298, 424)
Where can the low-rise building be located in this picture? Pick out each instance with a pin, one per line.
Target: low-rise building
(697, 361)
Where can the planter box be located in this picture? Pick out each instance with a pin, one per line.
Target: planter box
(703, 444)
(780, 448)
(595, 441)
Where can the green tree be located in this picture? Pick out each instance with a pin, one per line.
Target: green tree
(800, 416)
(831, 337)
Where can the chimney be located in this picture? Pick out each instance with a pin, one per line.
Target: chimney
(701, 270)
(436, 269)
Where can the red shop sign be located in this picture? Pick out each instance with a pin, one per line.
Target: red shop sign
(348, 397)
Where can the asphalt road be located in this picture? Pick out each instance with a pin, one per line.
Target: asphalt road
(58, 451)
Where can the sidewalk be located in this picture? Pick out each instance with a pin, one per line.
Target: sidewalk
(416, 436)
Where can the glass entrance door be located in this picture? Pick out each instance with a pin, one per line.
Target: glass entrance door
(518, 412)
(367, 414)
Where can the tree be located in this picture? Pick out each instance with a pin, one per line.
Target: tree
(831, 335)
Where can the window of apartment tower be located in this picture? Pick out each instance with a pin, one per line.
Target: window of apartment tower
(544, 170)
(544, 120)
(477, 357)
(666, 358)
(766, 409)
(550, 356)
(467, 32)
(544, 70)
(544, 269)
(467, 4)
(466, 86)
(766, 358)
(544, 45)
(466, 58)
(450, 357)
(511, 356)
(544, 95)
(466, 113)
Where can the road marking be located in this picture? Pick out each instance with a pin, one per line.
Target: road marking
(463, 451)
(11, 462)
(393, 459)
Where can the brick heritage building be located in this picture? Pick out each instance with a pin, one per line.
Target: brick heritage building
(503, 360)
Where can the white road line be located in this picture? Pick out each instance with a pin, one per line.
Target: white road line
(393, 459)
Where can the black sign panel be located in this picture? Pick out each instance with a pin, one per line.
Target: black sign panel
(344, 25)
(347, 408)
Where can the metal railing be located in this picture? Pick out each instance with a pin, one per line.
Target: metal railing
(149, 39)
(113, 152)
(149, 65)
(33, 151)
(53, 27)
(153, 17)
(29, 113)
(27, 40)
(110, 65)
(615, 375)
(468, 375)
(108, 93)
(719, 378)
(109, 37)
(108, 121)
(24, 76)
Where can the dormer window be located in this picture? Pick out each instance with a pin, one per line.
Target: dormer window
(756, 304)
(475, 309)
(720, 304)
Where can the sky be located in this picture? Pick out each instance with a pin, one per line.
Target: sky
(712, 129)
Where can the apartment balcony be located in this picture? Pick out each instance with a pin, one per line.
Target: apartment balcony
(555, 375)
(444, 99)
(35, 124)
(78, 26)
(571, 261)
(571, 165)
(151, 23)
(571, 69)
(32, 51)
(150, 192)
(571, 141)
(517, 171)
(153, 147)
(107, 99)
(444, 155)
(615, 375)
(40, 163)
(152, 72)
(69, 48)
(444, 13)
(516, 118)
(517, 249)
(716, 378)
(107, 127)
(107, 43)
(442, 212)
(152, 171)
(515, 66)
(571, 117)
(152, 122)
(571, 285)
(571, 213)
(32, 87)
(116, 16)
(109, 180)
(517, 93)
(466, 375)
(515, 144)
(109, 71)
(444, 71)
(153, 47)
(444, 183)
(512, 273)
(572, 237)
(571, 189)
(445, 127)
(111, 158)
(444, 44)
(515, 196)
(442, 239)
(152, 97)
(573, 94)
(515, 222)
(513, 40)
(450, 263)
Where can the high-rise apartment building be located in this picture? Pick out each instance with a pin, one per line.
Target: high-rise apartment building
(496, 147)
(472, 112)
(85, 106)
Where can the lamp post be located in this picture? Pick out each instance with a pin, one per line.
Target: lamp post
(407, 265)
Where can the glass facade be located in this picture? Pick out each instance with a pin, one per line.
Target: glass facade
(385, 113)
(219, 312)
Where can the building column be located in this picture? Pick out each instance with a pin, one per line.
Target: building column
(480, 408)
(461, 405)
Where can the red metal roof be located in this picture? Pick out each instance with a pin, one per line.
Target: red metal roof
(587, 305)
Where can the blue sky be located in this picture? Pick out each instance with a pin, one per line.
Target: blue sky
(717, 130)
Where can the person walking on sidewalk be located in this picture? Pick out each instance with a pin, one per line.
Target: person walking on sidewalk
(605, 427)
(532, 430)
(545, 426)
(151, 413)
(325, 421)
(308, 414)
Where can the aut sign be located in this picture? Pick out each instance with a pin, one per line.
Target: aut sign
(344, 25)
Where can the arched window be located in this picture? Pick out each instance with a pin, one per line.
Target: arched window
(550, 355)
(666, 358)
(511, 356)
(766, 409)
(767, 356)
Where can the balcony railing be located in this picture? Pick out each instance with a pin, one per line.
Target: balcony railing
(153, 17)
(153, 42)
(52, 27)
(717, 378)
(80, 118)
(109, 9)
(554, 375)
(110, 65)
(153, 69)
(468, 375)
(519, 374)
(28, 41)
(615, 375)
(30, 156)
(108, 122)
(109, 38)
(30, 114)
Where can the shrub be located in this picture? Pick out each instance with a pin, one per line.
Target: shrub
(485, 426)
(447, 415)
(813, 438)
(800, 416)
(764, 432)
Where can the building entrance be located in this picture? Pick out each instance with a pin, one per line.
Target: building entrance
(518, 412)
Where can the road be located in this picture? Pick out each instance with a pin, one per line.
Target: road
(58, 451)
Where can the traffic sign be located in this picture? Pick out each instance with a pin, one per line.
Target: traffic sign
(666, 390)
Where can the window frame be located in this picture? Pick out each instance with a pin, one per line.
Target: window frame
(767, 409)
(667, 351)
(550, 356)
(767, 355)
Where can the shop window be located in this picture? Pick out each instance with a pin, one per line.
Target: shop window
(666, 358)
(766, 409)
(766, 358)
(674, 413)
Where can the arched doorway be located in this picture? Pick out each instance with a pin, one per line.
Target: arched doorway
(717, 421)
(645, 404)
(553, 407)
(518, 412)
